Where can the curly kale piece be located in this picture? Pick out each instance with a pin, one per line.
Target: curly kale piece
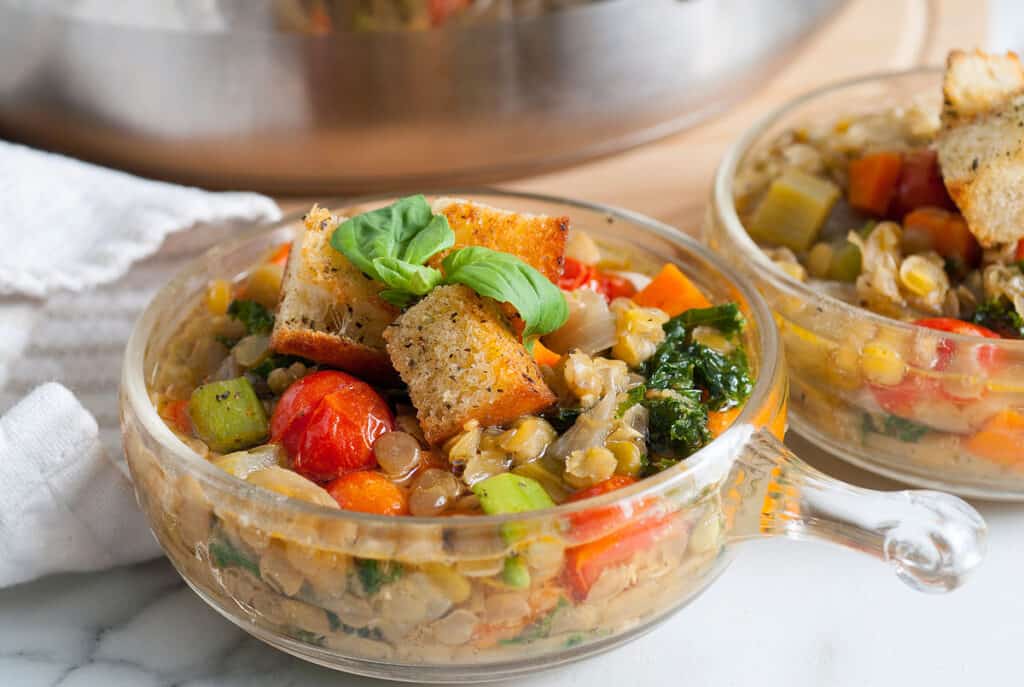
(726, 318)
(677, 422)
(374, 574)
(1000, 316)
(256, 318)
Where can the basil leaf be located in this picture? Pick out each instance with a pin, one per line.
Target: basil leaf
(418, 280)
(406, 230)
(506, 278)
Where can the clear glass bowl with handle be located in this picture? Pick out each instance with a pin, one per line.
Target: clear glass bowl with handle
(295, 574)
(965, 436)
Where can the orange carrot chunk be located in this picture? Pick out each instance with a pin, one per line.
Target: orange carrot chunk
(1001, 439)
(544, 355)
(368, 491)
(720, 420)
(945, 232)
(873, 181)
(672, 291)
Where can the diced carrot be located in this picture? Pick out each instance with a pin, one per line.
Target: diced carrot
(544, 355)
(672, 291)
(368, 491)
(584, 564)
(944, 231)
(873, 181)
(720, 420)
(176, 413)
(592, 524)
(1001, 439)
(280, 254)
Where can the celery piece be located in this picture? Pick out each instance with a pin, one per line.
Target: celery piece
(845, 264)
(228, 416)
(515, 573)
(794, 210)
(511, 493)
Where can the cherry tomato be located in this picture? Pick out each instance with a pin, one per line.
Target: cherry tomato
(612, 286)
(987, 355)
(327, 422)
(368, 491)
(921, 183)
(574, 274)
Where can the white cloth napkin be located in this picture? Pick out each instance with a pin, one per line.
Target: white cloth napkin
(85, 248)
(64, 505)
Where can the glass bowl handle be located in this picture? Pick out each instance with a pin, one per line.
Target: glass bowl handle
(933, 540)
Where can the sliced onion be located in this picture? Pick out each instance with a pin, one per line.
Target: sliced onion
(590, 429)
(590, 327)
(252, 350)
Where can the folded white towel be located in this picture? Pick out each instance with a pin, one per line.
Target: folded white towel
(80, 263)
(70, 225)
(63, 504)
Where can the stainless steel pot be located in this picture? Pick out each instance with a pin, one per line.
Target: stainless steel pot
(344, 95)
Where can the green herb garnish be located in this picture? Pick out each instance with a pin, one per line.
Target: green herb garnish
(374, 574)
(506, 278)
(393, 244)
(563, 418)
(256, 318)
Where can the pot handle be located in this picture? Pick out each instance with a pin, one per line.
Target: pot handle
(933, 540)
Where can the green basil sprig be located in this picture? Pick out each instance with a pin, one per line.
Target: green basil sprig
(393, 243)
(506, 278)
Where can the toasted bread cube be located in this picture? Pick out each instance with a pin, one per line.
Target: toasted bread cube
(461, 362)
(537, 239)
(976, 83)
(981, 146)
(330, 312)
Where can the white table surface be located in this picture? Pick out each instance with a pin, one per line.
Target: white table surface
(785, 613)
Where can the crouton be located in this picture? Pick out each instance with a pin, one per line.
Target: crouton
(977, 83)
(461, 362)
(330, 312)
(981, 146)
(536, 239)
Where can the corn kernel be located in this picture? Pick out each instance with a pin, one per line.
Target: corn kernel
(920, 276)
(882, 364)
(218, 297)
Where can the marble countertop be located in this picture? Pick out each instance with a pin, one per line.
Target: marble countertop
(786, 613)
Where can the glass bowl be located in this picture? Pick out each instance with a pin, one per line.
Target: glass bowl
(321, 583)
(959, 437)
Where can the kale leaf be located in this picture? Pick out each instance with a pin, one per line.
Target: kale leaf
(563, 418)
(1000, 316)
(677, 422)
(256, 318)
(683, 366)
(374, 574)
(726, 318)
(224, 555)
(905, 430)
(656, 464)
(633, 396)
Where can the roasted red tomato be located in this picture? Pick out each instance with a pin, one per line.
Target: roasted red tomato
(921, 183)
(328, 422)
(576, 274)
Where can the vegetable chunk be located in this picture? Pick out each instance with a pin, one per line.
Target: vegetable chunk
(227, 415)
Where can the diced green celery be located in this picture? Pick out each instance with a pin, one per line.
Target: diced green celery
(794, 210)
(515, 573)
(228, 416)
(551, 481)
(511, 493)
(845, 265)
